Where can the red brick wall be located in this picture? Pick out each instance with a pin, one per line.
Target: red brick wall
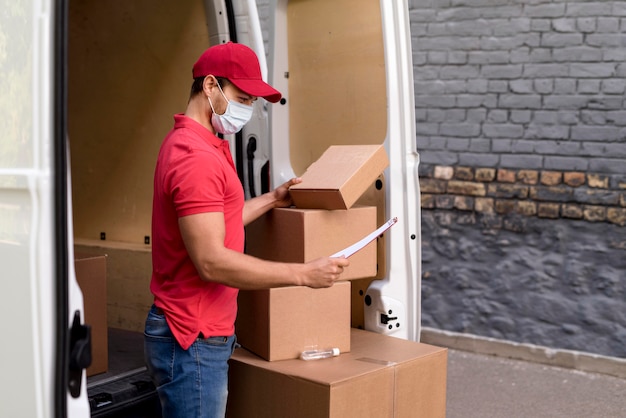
(544, 194)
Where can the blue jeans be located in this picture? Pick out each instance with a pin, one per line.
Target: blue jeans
(191, 383)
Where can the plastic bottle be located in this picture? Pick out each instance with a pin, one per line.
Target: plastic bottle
(319, 354)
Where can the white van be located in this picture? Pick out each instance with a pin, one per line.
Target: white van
(87, 92)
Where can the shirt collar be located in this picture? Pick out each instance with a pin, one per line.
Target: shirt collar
(183, 121)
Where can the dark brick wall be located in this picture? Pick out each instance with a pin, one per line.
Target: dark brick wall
(521, 128)
(559, 284)
(535, 84)
(525, 255)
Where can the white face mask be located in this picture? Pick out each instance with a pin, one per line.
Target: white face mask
(233, 119)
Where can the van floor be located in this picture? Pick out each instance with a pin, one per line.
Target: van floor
(125, 390)
(125, 354)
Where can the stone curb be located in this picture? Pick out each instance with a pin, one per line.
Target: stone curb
(577, 360)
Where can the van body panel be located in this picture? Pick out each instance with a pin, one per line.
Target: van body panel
(400, 291)
(28, 227)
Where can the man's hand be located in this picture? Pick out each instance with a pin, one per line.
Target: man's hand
(281, 193)
(324, 272)
(277, 198)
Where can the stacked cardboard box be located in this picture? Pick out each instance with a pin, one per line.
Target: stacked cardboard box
(339, 177)
(375, 375)
(278, 324)
(382, 376)
(295, 235)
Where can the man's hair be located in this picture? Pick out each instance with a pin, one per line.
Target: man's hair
(196, 86)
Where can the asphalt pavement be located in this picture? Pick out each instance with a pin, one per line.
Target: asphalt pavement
(485, 386)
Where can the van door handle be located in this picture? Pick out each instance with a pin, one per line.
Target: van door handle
(80, 353)
(250, 149)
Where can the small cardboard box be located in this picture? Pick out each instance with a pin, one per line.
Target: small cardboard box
(382, 376)
(280, 323)
(339, 177)
(302, 235)
(91, 275)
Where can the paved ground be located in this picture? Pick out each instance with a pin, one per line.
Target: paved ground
(487, 386)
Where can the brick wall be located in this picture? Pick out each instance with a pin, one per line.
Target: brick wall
(503, 192)
(532, 256)
(531, 84)
(555, 283)
(521, 129)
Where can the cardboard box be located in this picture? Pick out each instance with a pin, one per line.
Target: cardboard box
(339, 177)
(129, 268)
(280, 323)
(91, 274)
(382, 376)
(420, 372)
(301, 235)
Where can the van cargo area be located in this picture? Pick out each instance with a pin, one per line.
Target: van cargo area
(129, 73)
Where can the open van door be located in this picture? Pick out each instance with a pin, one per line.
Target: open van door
(46, 346)
(345, 70)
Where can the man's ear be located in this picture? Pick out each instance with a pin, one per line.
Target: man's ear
(209, 83)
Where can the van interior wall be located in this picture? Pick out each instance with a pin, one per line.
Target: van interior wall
(337, 94)
(337, 87)
(129, 73)
(129, 66)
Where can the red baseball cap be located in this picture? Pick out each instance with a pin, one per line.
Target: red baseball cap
(240, 65)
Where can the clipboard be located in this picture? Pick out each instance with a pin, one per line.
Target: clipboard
(352, 249)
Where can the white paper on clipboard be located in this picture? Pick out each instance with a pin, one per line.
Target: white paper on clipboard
(348, 251)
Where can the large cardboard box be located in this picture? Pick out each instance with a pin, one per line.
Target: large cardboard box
(280, 323)
(382, 376)
(339, 177)
(301, 235)
(420, 372)
(91, 274)
(129, 268)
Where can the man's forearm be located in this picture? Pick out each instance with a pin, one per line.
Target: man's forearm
(257, 206)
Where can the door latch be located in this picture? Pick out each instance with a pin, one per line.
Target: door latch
(80, 353)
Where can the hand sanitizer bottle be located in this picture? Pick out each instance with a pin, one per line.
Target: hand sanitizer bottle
(319, 354)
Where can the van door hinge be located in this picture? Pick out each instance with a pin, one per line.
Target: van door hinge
(80, 354)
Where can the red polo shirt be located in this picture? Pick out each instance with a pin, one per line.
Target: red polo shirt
(194, 174)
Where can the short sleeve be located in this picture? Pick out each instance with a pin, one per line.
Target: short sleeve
(197, 183)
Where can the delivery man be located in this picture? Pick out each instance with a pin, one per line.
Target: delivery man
(198, 220)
